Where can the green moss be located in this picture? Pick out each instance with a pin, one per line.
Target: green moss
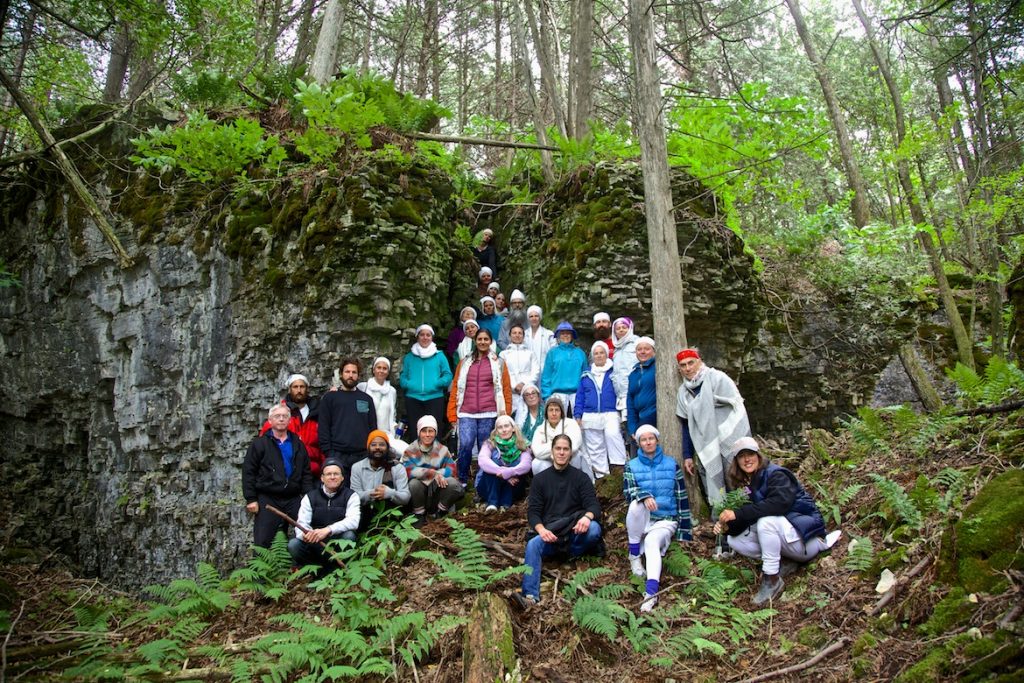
(930, 668)
(867, 641)
(984, 542)
(951, 611)
(862, 667)
(812, 636)
(404, 211)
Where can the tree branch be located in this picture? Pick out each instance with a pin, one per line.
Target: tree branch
(96, 35)
(990, 410)
(480, 141)
(67, 169)
(839, 644)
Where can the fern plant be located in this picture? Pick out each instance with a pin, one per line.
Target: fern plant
(204, 596)
(955, 482)
(470, 567)
(861, 555)
(733, 500)
(868, 432)
(899, 507)
(1002, 381)
(267, 571)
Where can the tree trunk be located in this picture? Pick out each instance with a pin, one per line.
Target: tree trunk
(488, 647)
(303, 39)
(859, 206)
(548, 71)
(667, 308)
(497, 105)
(582, 60)
(364, 66)
(325, 56)
(922, 383)
(547, 167)
(117, 67)
(66, 168)
(27, 29)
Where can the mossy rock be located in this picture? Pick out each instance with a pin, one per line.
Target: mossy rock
(986, 539)
(812, 636)
(950, 612)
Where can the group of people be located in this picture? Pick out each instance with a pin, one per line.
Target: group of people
(543, 419)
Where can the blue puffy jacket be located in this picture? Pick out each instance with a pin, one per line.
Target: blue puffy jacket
(642, 397)
(655, 477)
(562, 369)
(589, 399)
(803, 514)
(491, 323)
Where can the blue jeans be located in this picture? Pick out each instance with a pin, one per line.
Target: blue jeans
(495, 491)
(473, 431)
(537, 549)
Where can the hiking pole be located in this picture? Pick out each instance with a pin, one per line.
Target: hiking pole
(304, 529)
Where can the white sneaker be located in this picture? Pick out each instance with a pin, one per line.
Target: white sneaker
(637, 565)
(832, 538)
(490, 509)
(649, 603)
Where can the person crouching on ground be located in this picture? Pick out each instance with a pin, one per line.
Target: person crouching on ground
(379, 477)
(780, 521)
(658, 509)
(504, 463)
(431, 469)
(565, 515)
(330, 511)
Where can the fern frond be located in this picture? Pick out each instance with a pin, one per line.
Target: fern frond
(849, 493)
(157, 651)
(898, 502)
(861, 555)
(582, 579)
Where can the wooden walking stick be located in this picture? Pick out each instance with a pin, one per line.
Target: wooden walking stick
(303, 528)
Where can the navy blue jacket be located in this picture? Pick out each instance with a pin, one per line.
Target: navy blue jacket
(642, 397)
(775, 491)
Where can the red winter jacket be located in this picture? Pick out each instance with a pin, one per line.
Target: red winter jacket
(307, 431)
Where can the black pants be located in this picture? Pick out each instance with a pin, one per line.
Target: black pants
(267, 524)
(415, 409)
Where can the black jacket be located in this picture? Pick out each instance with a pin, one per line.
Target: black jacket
(346, 419)
(558, 498)
(263, 469)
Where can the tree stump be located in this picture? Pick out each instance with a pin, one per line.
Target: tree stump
(488, 649)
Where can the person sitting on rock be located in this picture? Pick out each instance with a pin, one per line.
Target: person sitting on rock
(379, 478)
(275, 472)
(597, 415)
(305, 419)
(424, 379)
(504, 462)
(781, 525)
(539, 338)
(659, 509)
(330, 512)
(433, 486)
(522, 367)
(489, 320)
(563, 518)
(555, 423)
(563, 368)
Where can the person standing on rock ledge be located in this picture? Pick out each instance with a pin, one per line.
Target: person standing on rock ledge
(713, 417)
(347, 417)
(275, 472)
(305, 419)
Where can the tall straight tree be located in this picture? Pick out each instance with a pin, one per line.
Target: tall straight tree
(526, 72)
(956, 323)
(667, 307)
(325, 57)
(581, 62)
(861, 212)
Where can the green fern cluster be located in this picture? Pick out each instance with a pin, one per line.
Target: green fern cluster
(869, 432)
(832, 506)
(861, 556)
(204, 596)
(267, 571)
(955, 482)
(899, 508)
(470, 568)
(733, 500)
(1002, 380)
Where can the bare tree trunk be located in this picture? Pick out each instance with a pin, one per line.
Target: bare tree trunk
(67, 168)
(117, 67)
(546, 165)
(667, 307)
(920, 380)
(548, 72)
(859, 206)
(497, 104)
(582, 59)
(303, 38)
(27, 29)
(325, 57)
(364, 66)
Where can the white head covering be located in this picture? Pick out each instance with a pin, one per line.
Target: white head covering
(745, 443)
(295, 378)
(493, 285)
(646, 429)
(426, 421)
(467, 308)
(467, 323)
(381, 359)
(485, 299)
(531, 309)
(517, 296)
(597, 344)
(424, 326)
(485, 271)
(602, 316)
(645, 340)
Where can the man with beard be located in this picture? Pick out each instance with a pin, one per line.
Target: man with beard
(304, 420)
(516, 316)
(379, 477)
(347, 417)
(603, 331)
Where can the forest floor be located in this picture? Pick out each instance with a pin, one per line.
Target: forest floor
(829, 615)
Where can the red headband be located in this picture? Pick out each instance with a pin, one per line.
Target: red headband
(687, 353)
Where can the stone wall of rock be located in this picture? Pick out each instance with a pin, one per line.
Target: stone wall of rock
(131, 395)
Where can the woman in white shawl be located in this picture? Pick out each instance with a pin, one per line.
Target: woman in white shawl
(385, 400)
(554, 424)
(467, 345)
(625, 359)
(538, 338)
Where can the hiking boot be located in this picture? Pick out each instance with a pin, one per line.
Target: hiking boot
(636, 564)
(788, 567)
(490, 509)
(649, 603)
(771, 588)
(420, 521)
(524, 602)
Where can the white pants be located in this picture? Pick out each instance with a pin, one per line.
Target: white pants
(656, 536)
(604, 446)
(773, 538)
(568, 401)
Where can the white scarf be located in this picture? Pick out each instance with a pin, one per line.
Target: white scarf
(424, 352)
(697, 380)
(375, 389)
(599, 373)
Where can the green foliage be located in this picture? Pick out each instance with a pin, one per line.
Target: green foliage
(733, 500)
(470, 567)
(861, 555)
(898, 507)
(204, 149)
(1002, 381)
(869, 432)
(7, 278)
(203, 597)
(268, 569)
(833, 507)
(955, 482)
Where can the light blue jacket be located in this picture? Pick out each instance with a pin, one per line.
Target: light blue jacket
(563, 368)
(424, 379)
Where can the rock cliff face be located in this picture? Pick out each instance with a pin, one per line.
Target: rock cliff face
(131, 395)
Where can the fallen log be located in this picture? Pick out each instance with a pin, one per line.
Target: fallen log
(488, 649)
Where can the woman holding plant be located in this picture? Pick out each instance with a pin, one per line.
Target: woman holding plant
(779, 521)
